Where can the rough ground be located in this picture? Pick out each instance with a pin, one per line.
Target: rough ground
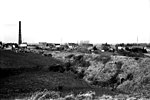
(22, 74)
(128, 74)
(88, 95)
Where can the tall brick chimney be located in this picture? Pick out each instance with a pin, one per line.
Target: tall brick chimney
(20, 38)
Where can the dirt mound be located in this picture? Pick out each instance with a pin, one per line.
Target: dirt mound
(117, 72)
(122, 73)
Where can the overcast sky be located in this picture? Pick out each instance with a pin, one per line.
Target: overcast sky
(99, 21)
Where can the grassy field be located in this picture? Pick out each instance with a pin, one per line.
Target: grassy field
(9, 59)
(22, 74)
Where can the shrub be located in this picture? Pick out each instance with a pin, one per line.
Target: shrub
(81, 74)
(131, 54)
(73, 69)
(67, 66)
(97, 51)
(79, 61)
(85, 63)
(83, 50)
(119, 65)
(127, 86)
(78, 58)
(103, 58)
(136, 58)
(59, 88)
(57, 68)
(129, 76)
(47, 54)
(70, 56)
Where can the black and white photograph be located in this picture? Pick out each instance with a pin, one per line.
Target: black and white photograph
(74, 49)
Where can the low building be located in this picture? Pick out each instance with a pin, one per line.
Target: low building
(10, 46)
(31, 46)
(23, 45)
(148, 49)
(57, 45)
(72, 45)
(50, 45)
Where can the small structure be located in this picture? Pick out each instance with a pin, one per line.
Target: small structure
(148, 49)
(10, 46)
(141, 49)
(32, 46)
(105, 47)
(57, 45)
(45, 45)
(23, 45)
(72, 45)
(50, 45)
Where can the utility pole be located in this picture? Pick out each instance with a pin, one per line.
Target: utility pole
(137, 40)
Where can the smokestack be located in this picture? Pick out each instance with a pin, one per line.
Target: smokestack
(20, 38)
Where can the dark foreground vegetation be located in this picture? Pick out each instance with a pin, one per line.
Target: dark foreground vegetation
(22, 74)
